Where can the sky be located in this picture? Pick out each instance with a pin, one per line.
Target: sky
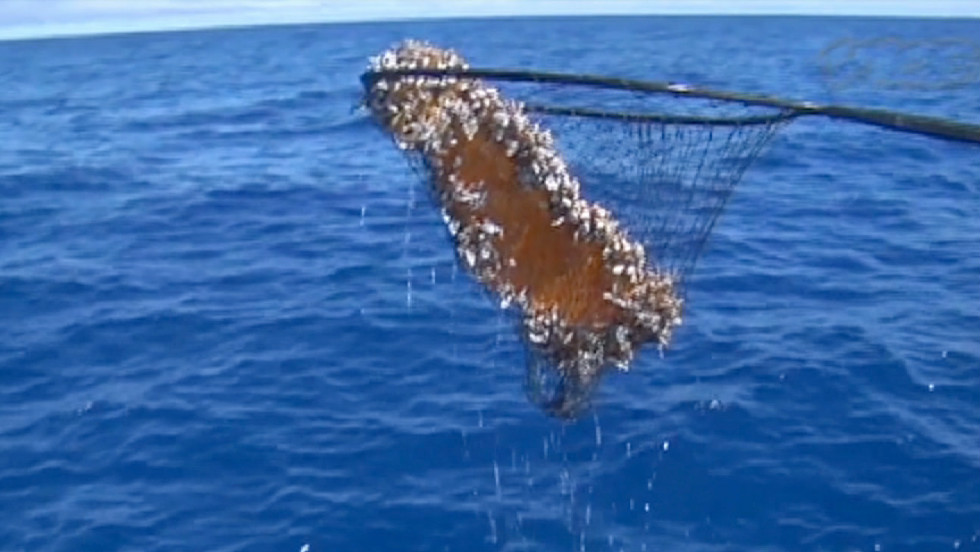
(40, 18)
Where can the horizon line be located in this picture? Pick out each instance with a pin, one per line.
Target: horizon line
(93, 29)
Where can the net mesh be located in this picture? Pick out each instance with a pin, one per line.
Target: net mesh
(668, 183)
(666, 166)
(582, 208)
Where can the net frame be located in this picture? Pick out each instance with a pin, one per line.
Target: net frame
(764, 126)
(936, 127)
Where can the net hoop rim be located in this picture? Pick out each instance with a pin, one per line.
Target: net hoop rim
(631, 117)
(369, 78)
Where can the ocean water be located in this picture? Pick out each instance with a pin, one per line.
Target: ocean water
(230, 320)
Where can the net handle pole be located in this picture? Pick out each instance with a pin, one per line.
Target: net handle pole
(918, 124)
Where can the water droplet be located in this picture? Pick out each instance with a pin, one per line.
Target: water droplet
(496, 477)
(493, 528)
(598, 430)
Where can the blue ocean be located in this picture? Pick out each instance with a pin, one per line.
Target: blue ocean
(231, 319)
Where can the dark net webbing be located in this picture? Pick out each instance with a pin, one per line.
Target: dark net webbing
(664, 165)
(667, 183)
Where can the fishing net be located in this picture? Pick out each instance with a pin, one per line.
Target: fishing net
(666, 178)
(580, 203)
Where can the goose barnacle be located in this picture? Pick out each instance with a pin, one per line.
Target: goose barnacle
(519, 223)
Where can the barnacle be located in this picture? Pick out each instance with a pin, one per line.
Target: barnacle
(583, 287)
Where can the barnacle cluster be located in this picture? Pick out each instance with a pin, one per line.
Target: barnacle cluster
(588, 295)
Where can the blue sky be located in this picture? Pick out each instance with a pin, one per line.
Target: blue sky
(32, 18)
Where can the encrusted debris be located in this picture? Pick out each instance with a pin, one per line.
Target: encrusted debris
(485, 156)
